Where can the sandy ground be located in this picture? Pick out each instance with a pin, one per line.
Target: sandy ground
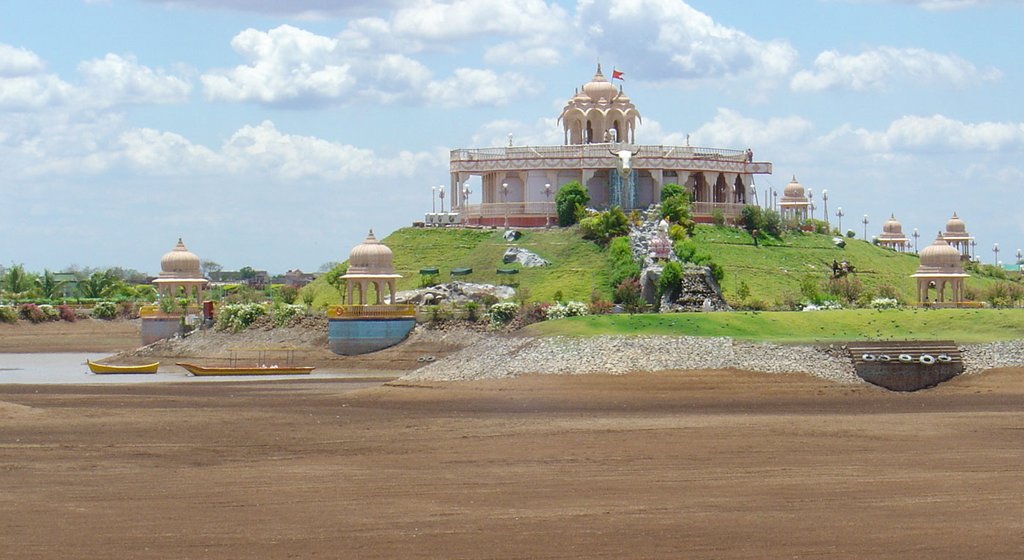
(705, 464)
(710, 464)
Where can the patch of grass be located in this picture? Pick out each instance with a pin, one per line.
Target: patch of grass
(961, 325)
(577, 265)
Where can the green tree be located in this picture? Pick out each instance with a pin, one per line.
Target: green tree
(605, 226)
(208, 267)
(17, 281)
(333, 278)
(569, 197)
(671, 280)
(620, 260)
(48, 286)
(676, 209)
(100, 285)
(670, 190)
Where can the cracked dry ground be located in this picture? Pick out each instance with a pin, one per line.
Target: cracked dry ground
(709, 464)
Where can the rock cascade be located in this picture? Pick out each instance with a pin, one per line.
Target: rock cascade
(524, 257)
(455, 292)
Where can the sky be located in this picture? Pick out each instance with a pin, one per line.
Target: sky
(276, 134)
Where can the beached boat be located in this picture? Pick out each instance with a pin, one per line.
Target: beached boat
(246, 370)
(104, 368)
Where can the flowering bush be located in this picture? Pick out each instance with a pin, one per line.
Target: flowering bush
(825, 305)
(502, 313)
(568, 309)
(284, 313)
(49, 312)
(885, 303)
(67, 313)
(104, 310)
(238, 316)
(8, 314)
(31, 312)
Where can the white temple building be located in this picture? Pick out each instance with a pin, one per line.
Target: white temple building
(519, 183)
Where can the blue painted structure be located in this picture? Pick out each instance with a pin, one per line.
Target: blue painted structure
(350, 337)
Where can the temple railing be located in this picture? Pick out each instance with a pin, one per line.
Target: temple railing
(371, 311)
(596, 150)
(499, 209)
(729, 209)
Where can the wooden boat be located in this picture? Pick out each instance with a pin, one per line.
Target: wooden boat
(246, 370)
(104, 368)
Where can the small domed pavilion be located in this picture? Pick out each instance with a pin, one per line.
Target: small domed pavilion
(956, 235)
(793, 203)
(940, 266)
(892, 235)
(599, 113)
(180, 271)
(370, 264)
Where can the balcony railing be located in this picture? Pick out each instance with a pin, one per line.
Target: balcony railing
(371, 311)
(596, 150)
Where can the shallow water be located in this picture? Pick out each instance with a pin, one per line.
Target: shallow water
(70, 368)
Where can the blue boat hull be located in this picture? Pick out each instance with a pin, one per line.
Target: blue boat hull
(351, 337)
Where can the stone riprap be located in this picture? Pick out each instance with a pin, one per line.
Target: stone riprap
(498, 357)
(979, 357)
(495, 356)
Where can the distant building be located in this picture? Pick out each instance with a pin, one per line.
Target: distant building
(297, 278)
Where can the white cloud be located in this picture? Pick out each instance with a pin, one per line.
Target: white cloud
(542, 132)
(877, 69)
(950, 5)
(16, 61)
(940, 134)
(291, 66)
(731, 129)
(116, 80)
(666, 40)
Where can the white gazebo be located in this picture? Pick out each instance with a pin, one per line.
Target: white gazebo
(794, 203)
(892, 235)
(370, 264)
(180, 275)
(940, 268)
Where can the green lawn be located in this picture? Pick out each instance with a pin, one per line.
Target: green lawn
(577, 266)
(775, 268)
(961, 325)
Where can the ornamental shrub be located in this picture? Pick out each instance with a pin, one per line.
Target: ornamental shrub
(568, 309)
(236, 317)
(503, 313)
(67, 313)
(8, 314)
(105, 310)
(50, 312)
(569, 196)
(620, 259)
(884, 303)
(670, 190)
(31, 312)
(284, 313)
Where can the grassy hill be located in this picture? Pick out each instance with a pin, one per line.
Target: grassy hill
(962, 325)
(772, 271)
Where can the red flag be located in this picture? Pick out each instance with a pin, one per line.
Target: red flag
(616, 75)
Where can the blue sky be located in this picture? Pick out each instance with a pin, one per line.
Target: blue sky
(275, 134)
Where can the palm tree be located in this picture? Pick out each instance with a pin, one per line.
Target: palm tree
(48, 286)
(17, 281)
(100, 285)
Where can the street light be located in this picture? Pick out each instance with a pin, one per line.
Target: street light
(504, 201)
(916, 235)
(824, 199)
(810, 201)
(547, 211)
(433, 200)
(1018, 256)
(974, 251)
(995, 251)
(839, 214)
(865, 220)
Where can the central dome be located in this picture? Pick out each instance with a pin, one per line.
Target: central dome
(370, 257)
(955, 225)
(180, 263)
(599, 87)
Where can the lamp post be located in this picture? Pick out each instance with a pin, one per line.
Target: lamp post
(916, 235)
(504, 202)
(810, 201)
(433, 200)
(1018, 256)
(440, 194)
(995, 253)
(824, 199)
(839, 214)
(775, 200)
(865, 221)
(974, 251)
(547, 211)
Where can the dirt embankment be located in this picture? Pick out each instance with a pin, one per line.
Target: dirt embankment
(86, 335)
